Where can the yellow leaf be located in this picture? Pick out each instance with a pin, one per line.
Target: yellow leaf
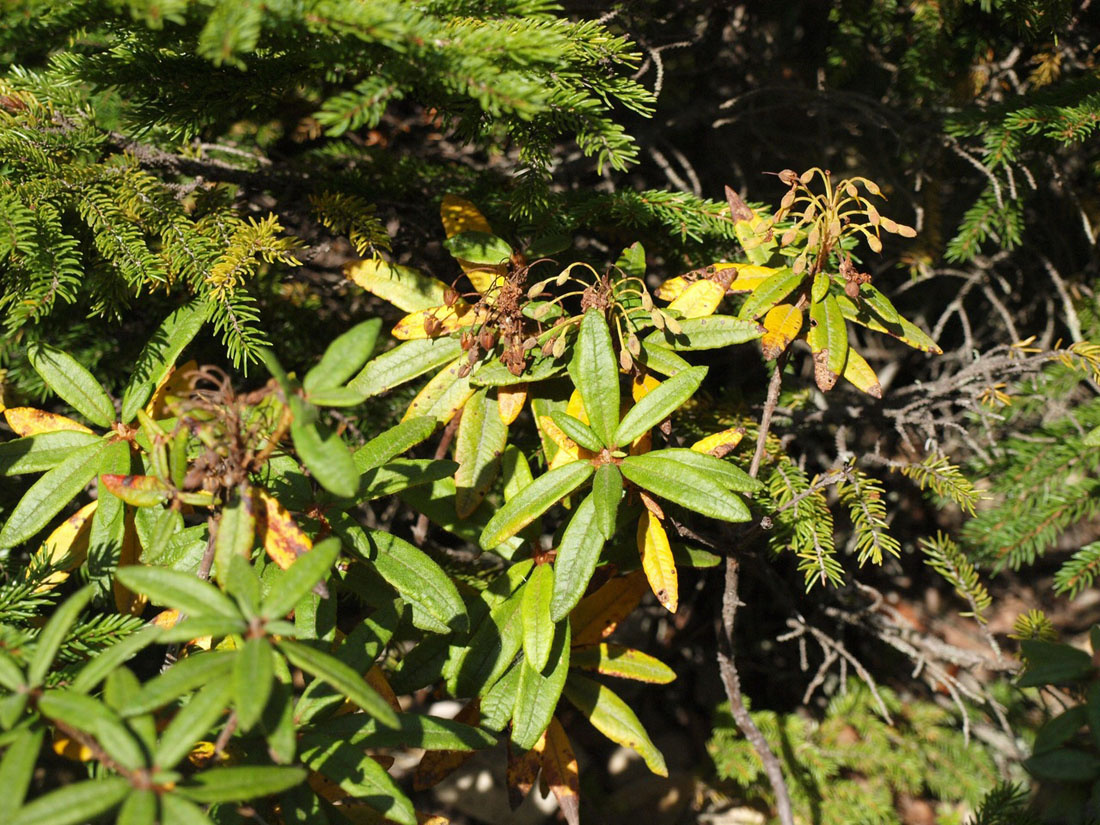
(70, 748)
(599, 613)
(721, 442)
(29, 421)
(673, 288)
(377, 680)
(642, 385)
(459, 215)
(575, 407)
(699, 299)
(568, 449)
(126, 600)
(402, 286)
(283, 539)
(642, 444)
(750, 276)
(444, 395)
(433, 322)
(176, 384)
(487, 280)
(66, 547)
(783, 323)
(657, 561)
(859, 372)
(510, 401)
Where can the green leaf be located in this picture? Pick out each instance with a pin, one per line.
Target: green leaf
(11, 676)
(180, 811)
(393, 442)
(73, 383)
(711, 332)
(1052, 663)
(578, 554)
(773, 290)
(534, 500)
(612, 717)
(479, 248)
(499, 703)
(402, 473)
(51, 493)
(54, 633)
(595, 372)
(179, 590)
(623, 662)
(539, 691)
(418, 579)
(1060, 729)
(578, 431)
(253, 673)
(495, 373)
(538, 627)
(726, 473)
(331, 670)
(238, 783)
(607, 490)
(362, 777)
(880, 304)
(828, 340)
(403, 363)
(1091, 439)
(300, 578)
(482, 435)
(660, 359)
(490, 650)
(35, 453)
(437, 502)
(140, 808)
(322, 451)
(77, 710)
(1065, 765)
(658, 404)
(344, 357)
(416, 731)
(105, 661)
(17, 768)
(336, 397)
(195, 719)
(236, 533)
(182, 677)
(74, 804)
(159, 355)
(683, 484)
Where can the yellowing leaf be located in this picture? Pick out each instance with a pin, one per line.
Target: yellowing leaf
(487, 280)
(598, 614)
(459, 215)
(67, 546)
(673, 288)
(750, 276)
(29, 421)
(568, 449)
(657, 561)
(560, 772)
(510, 401)
(699, 299)
(405, 288)
(783, 323)
(433, 322)
(720, 443)
(377, 680)
(443, 396)
(283, 539)
(642, 384)
(175, 384)
(859, 372)
(126, 600)
(70, 748)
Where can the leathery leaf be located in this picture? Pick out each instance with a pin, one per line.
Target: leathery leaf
(612, 717)
(534, 500)
(539, 691)
(595, 372)
(538, 627)
(482, 435)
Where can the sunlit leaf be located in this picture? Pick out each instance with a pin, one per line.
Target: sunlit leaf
(612, 717)
(534, 500)
(622, 662)
(828, 340)
(73, 383)
(859, 373)
(712, 332)
(657, 561)
(460, 215)
(783, 323)
(74, 804)
(685, 485)
(510, 401)
(698, 299)
(443, 396)
(720, 442)
(66, 547)
(25, 421)
(138, 491)
(238, 783)
(406, 288)
(595, 372)
(331, 670)
(773, 290)
(658, 404)
(539, 691)
(482, 435)
(284, 541)
(404, 362)
(343, 357)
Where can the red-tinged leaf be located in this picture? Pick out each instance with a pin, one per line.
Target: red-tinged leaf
(283, 539)
(523, 770)
(435, 766)
(29, 421)
(622, 662)
(599, 613)
(657, 561)
(560, 772)
(137, 491)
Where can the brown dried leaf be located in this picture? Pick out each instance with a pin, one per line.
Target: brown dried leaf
(559, 769)
(435, 766)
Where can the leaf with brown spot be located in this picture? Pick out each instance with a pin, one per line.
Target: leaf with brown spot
(568, 449)
(523, 770)
(783, 323)
(560, 772)
(657, 561)
(433, 322)
(510, 401)
(282, 538)
(26, 421)
(137, 491)
(597, 614)
(435, 766)
(699, 299)
(859, 373)
(720, 444)
(66, 547)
